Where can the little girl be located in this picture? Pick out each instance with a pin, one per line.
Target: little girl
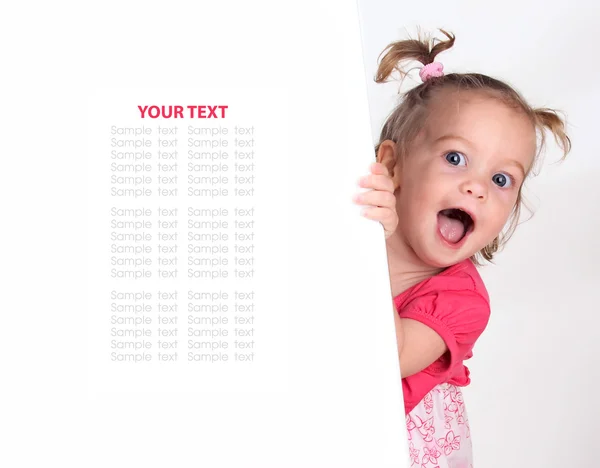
(451, 162)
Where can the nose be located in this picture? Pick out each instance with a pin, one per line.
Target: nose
(475, 188)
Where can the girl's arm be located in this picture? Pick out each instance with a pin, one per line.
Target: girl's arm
(418, 345)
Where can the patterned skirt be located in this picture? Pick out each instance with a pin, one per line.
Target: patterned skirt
(438, 430)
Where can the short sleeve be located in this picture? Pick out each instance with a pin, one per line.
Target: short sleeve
(459, 317)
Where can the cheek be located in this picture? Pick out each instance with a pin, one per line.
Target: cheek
(508, 201)
(427, 185)
(502, 208)
(411, 200)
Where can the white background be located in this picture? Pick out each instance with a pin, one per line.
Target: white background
(343, 407)
(532, 401)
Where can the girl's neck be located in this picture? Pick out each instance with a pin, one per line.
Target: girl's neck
(405, 267)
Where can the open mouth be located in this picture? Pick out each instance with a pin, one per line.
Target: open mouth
(454, 224)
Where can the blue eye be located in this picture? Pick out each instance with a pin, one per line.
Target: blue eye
(454, 158)
(502, 180)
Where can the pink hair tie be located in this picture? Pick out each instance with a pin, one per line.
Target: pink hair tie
(431, 70)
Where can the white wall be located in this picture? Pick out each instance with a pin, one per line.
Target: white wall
(534, 370)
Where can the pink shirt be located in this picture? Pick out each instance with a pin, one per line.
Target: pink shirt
(455, 304)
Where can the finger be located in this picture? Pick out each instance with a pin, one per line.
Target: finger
(385, 216)
(378, 168)
(379, 213)
(376, 198)
(377, 182)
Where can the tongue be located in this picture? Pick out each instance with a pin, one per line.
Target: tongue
(452, 229)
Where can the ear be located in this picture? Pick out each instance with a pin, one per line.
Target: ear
(386, 155)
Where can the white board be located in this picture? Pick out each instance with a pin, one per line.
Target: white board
(235, 294)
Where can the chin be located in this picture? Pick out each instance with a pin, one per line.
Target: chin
(437, 259)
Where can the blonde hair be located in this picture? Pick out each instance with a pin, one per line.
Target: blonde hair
(407, 119)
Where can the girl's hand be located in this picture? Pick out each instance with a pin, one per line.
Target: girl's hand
(381, 200)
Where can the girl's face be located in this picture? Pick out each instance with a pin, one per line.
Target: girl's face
(472, 154)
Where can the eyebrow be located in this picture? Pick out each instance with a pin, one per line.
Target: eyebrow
(513, 162)
(454, 137)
